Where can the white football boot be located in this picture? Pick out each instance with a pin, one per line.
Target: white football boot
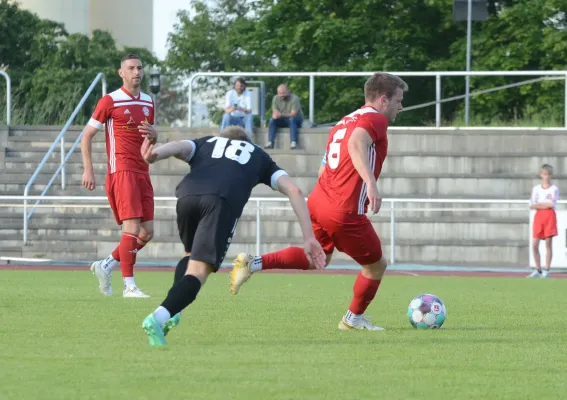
(360, 323)
(134, 292)
(544, 273)
(534, 274)
(104, 277)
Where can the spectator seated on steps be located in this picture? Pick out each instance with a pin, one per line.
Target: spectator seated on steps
(286, 113)
(238, 108)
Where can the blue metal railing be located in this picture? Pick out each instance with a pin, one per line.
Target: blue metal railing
(60, 139)
(8, 97)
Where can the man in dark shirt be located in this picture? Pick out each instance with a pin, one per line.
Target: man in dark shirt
(224, 170)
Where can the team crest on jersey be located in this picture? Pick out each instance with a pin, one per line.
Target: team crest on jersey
(146, 111)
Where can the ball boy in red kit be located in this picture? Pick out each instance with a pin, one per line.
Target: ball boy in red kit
(127, 115)
(346, 190)
(544, 199)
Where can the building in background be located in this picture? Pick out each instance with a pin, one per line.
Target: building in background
(130, 22)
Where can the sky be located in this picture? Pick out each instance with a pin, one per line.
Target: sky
(164, 18)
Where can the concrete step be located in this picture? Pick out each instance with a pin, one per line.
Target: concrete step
(32, 146)
(46, 131)
(477, 165)
(303, 162)
(287, 227)
(448, 141)
(47, 137)
(70, 210)
(478, 140)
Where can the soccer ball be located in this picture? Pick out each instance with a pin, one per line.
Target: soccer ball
(427, 311)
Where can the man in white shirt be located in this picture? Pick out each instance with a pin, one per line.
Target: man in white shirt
(238, 108)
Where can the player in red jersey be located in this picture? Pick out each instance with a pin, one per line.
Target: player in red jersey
(346, 190)
(128, 115)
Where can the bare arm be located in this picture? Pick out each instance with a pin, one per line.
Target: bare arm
(313, 250)
(228, 108)
(87, 154)
(292, 114)
(87, 147)
(541, 206)
(535, 205)
(294, 109)
(358, 146)
(182, 150)
(297, 200)
(322, 165)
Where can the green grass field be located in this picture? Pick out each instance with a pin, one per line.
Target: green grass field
(278, 339)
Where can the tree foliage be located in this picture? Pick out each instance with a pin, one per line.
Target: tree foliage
(372, 35)
(51, 70)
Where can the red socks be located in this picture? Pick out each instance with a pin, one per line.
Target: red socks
(290, 258)
(364, 291)
(127, 251)
(139, 246)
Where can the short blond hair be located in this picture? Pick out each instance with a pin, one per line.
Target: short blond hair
(235, 132)
(383, 84)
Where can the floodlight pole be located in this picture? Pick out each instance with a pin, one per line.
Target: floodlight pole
(468, 78)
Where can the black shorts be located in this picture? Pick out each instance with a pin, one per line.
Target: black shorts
(206, 224)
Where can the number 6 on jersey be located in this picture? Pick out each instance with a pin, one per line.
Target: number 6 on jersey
(335, 148)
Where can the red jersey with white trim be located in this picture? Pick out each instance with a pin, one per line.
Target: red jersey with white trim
(121, 112)
(340, 187)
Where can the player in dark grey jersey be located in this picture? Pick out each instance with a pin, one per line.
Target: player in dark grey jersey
(224, 170)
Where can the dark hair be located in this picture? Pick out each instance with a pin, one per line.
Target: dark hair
(235, 132)
(129, 56)
(383, 84)
(241, 80)
(548, 168)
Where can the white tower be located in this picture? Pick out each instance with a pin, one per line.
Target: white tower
(74, 14)
(130, 22)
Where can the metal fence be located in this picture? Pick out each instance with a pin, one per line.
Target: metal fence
(260, 204)
(8, 97)
(436, 74)
(63, 159)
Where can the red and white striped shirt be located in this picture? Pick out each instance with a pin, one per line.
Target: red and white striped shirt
(340, 186)
(121, 112)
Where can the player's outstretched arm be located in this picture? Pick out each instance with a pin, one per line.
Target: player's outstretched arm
(87, 154)
(180, 149)
(322, 166)
(313, 249)
(358, 147)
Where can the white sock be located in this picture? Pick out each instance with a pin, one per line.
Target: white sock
(129, 282)
(110, 263)
(352, 318)
(256, 265)
(162, 315)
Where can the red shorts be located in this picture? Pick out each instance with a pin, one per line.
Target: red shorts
(131, 195)
(545, 224)
(352, 234)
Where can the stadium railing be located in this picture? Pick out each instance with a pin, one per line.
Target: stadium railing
(8, 97)
(59, 140)
(437, 74)
(263, 203)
